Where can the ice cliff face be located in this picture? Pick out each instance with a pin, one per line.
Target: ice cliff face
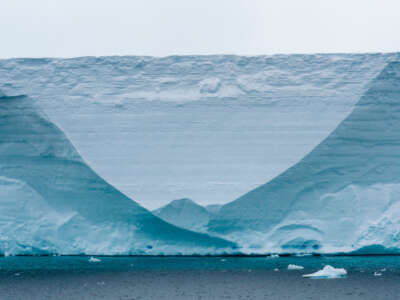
(186, 214)
(204, 127)
(52, 202)
(342, 196)
(210, 128)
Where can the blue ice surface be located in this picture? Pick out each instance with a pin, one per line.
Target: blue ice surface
(210, 128)
(343, 195)
(53, 202)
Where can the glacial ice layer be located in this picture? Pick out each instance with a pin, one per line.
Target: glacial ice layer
(344, 195)
(52, 202)
(209, 128)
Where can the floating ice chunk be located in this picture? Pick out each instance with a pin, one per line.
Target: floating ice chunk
(273, 256)
(276, 269)
(377, 274)
(328, 272)
(94, 259)
(295, 267)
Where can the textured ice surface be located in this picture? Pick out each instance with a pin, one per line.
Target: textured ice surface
(52, 202)
(342, 196)
(209, 128)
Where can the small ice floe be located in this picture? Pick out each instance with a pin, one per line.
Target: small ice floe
(294, 267)
(377, 274)
(303, 254)
(94, 259)
(328, 272)
(273, 256)
(276, 269)
(223, 259)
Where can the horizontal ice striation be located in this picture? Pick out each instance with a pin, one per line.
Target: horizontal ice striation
(342, 196)
(52, 202)
(206, 127)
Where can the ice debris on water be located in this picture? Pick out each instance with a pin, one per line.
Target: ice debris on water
(295, 267)
(94, 259)
(328, 272)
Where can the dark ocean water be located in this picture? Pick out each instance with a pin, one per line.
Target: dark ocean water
(75, 277)
(143, 263)
(107, 263)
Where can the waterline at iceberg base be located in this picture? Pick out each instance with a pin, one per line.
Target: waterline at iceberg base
(341, 197)
(194, 277)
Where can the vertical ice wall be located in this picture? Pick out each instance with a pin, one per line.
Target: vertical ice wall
(51, 201)
(209, 128)
(334, 198)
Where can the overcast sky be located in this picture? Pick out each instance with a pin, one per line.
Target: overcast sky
(68, 28)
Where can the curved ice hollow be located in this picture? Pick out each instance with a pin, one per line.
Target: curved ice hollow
(52, 202)
(342, 196)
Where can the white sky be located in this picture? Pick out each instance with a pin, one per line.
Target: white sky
(68, 28)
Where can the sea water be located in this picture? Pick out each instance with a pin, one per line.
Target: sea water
(159, 263)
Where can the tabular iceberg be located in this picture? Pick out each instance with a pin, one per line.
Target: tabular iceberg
(208, 128)
(52, 202)
(204, 127)
(342, 196)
